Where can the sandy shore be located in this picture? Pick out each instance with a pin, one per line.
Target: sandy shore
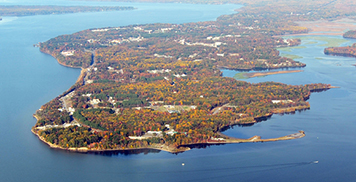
(301, 134)
(179, 149)
(256, 74)
(85, 149)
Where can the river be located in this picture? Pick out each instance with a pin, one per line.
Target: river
(30, 78)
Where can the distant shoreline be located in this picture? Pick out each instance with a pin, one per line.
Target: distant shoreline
(32, 10)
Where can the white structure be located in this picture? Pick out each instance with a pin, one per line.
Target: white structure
(281, 101)
(68, 53)
(100, 30)
(65, 125)
(218, 139)
(163, 56)
(95, 101)
(159, 71)
(71, 110)
(178, 75)
(86, 95)
(138, 137)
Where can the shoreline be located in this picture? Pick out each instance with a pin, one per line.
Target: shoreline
(48, 53)
(258, 74)
(86, 150)
(186, 147)
(179, 149)
(260, 69)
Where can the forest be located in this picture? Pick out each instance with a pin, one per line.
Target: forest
(350, 34)
(348, 51)
(165, 79)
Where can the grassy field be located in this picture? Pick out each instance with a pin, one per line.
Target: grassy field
(178, 108)
(289, 49)
(291, 56)
(330, 41)
(239, 76)
(311, 42)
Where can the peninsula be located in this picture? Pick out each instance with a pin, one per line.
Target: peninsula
(348, 51)
(159, 86)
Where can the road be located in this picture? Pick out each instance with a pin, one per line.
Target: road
(90, 68)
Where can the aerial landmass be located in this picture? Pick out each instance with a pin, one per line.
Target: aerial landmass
(160, 86)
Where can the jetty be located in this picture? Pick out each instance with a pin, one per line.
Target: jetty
(300, 134)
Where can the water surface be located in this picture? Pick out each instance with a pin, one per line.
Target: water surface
(29, 79)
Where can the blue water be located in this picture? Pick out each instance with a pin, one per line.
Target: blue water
(29, 79)
(329, 124)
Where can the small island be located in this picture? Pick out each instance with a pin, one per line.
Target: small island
(21, 10)
(159, 86)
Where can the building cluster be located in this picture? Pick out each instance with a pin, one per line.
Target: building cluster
(159, 71)
(159, 134)
(65, 125)
(282, 101)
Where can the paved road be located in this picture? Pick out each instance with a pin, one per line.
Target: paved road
(91, 66)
